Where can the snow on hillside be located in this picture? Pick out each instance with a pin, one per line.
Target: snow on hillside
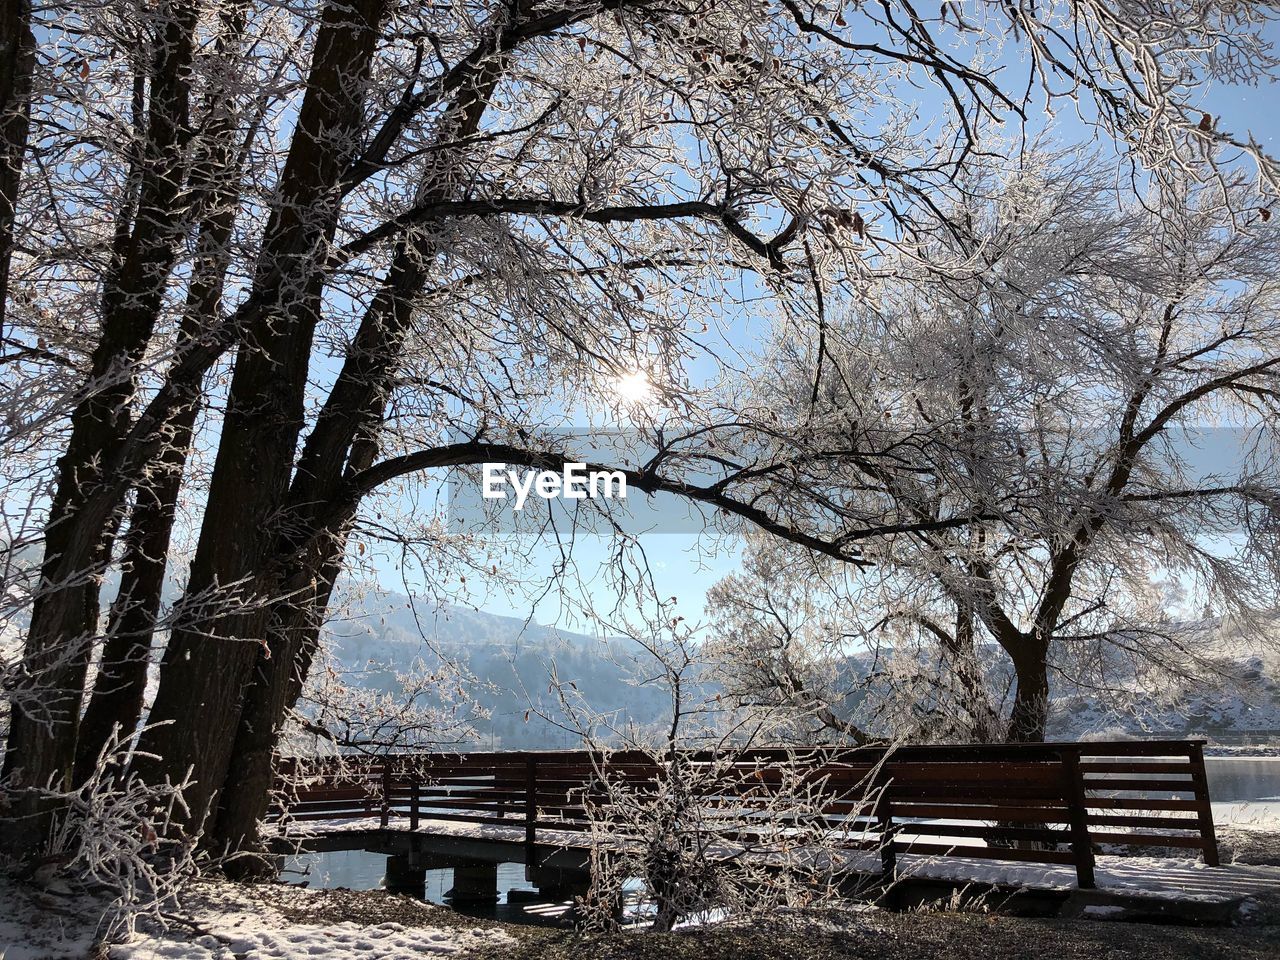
(507, 654)
(1246, 700)
(507, 661)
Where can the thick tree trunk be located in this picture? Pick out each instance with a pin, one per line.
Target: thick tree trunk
(223, 616)
(64, 619)
(1030, 716)
(276, 684)
(343, 442)
(17, 63)
(1029, 656)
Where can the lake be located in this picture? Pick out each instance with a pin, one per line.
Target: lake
(1243, 778)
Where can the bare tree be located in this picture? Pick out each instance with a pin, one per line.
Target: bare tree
(1050, 368)
(787, 640)
(112, 838)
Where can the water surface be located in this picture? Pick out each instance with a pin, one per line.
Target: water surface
(362, 870)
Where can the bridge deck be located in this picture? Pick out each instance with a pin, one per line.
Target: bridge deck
(1179, 888)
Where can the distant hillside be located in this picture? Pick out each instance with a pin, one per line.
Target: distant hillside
(510, 663)
(1241, 699)
(511, 659)
(1246, 702)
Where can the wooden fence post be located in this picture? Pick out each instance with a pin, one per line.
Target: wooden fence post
(531, 812)
(414, 789)
(1081, 845)
(884, 816)
(1204, 811)
(386, 791)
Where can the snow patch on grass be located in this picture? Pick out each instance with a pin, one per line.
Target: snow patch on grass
(241, 935)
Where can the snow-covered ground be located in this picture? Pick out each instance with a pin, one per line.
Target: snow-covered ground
(36, 927)
(223, 921)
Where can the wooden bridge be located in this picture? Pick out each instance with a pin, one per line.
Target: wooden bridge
(1061, 804)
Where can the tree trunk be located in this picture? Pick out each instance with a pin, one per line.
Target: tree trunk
(343, 442)
(1030, 715)
(64, 619)
(276, 684)
(119, 688)
(223, 616)
(117, 699)
(17, 63)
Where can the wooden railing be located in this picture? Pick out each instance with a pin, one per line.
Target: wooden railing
(1057, 803)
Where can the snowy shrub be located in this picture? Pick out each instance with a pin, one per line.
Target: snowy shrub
(116, 835)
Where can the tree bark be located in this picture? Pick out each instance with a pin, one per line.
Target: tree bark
(1030, 715)
(275, 685)
(309, 557)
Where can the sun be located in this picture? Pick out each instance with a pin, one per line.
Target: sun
(634, 387)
